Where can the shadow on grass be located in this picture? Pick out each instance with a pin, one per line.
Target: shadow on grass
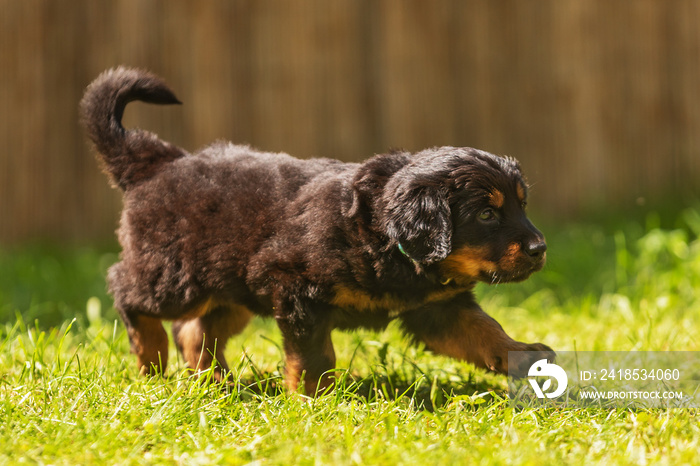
(419, 392)
(394, 378)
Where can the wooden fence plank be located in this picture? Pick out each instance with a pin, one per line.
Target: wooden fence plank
(599, 99)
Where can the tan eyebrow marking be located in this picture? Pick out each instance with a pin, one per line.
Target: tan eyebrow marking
(520, 189)
(497, 199)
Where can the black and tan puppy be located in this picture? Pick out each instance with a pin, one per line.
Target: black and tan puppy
(212, 238)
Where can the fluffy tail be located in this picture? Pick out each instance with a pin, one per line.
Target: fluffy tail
(130, 156)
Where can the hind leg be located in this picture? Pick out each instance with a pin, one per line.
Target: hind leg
(202, 340)
(148, 339)
(149, 342)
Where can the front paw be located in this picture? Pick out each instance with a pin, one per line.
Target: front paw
(517, 360)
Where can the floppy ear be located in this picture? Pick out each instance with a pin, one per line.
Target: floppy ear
(417, 215)
(369, 182)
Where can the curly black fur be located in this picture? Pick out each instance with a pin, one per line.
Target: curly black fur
(210, 238)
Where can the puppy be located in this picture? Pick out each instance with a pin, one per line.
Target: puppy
(211, 239)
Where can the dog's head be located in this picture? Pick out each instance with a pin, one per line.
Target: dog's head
(463, 209)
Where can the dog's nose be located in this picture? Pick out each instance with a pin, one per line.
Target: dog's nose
(536, 248)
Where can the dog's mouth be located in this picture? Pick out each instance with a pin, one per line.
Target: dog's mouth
(472, 264)
(515, 266)
(497, 276)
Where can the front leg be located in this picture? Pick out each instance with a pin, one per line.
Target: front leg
(462, 330)
(308, 349)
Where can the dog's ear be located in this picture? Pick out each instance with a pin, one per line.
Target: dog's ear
(417, 214)
(369, 182)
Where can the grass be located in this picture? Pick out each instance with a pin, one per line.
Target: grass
(69, 393)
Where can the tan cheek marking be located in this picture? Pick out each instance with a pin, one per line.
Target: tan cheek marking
(510, 257)
(347, 297)
(468, 262)
(520, 189)
(496, 199)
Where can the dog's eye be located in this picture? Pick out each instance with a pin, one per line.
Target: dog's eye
(523, 205)
(487, 215)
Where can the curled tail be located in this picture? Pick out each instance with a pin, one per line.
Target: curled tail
(130, 156)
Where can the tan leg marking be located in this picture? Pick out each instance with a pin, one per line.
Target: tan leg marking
(149, 342)
(203, 339)
(312, 367)
(477, 338)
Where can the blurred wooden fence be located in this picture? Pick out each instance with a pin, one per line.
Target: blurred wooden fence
(599, 99)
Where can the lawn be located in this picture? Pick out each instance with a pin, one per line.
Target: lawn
(69, 393)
